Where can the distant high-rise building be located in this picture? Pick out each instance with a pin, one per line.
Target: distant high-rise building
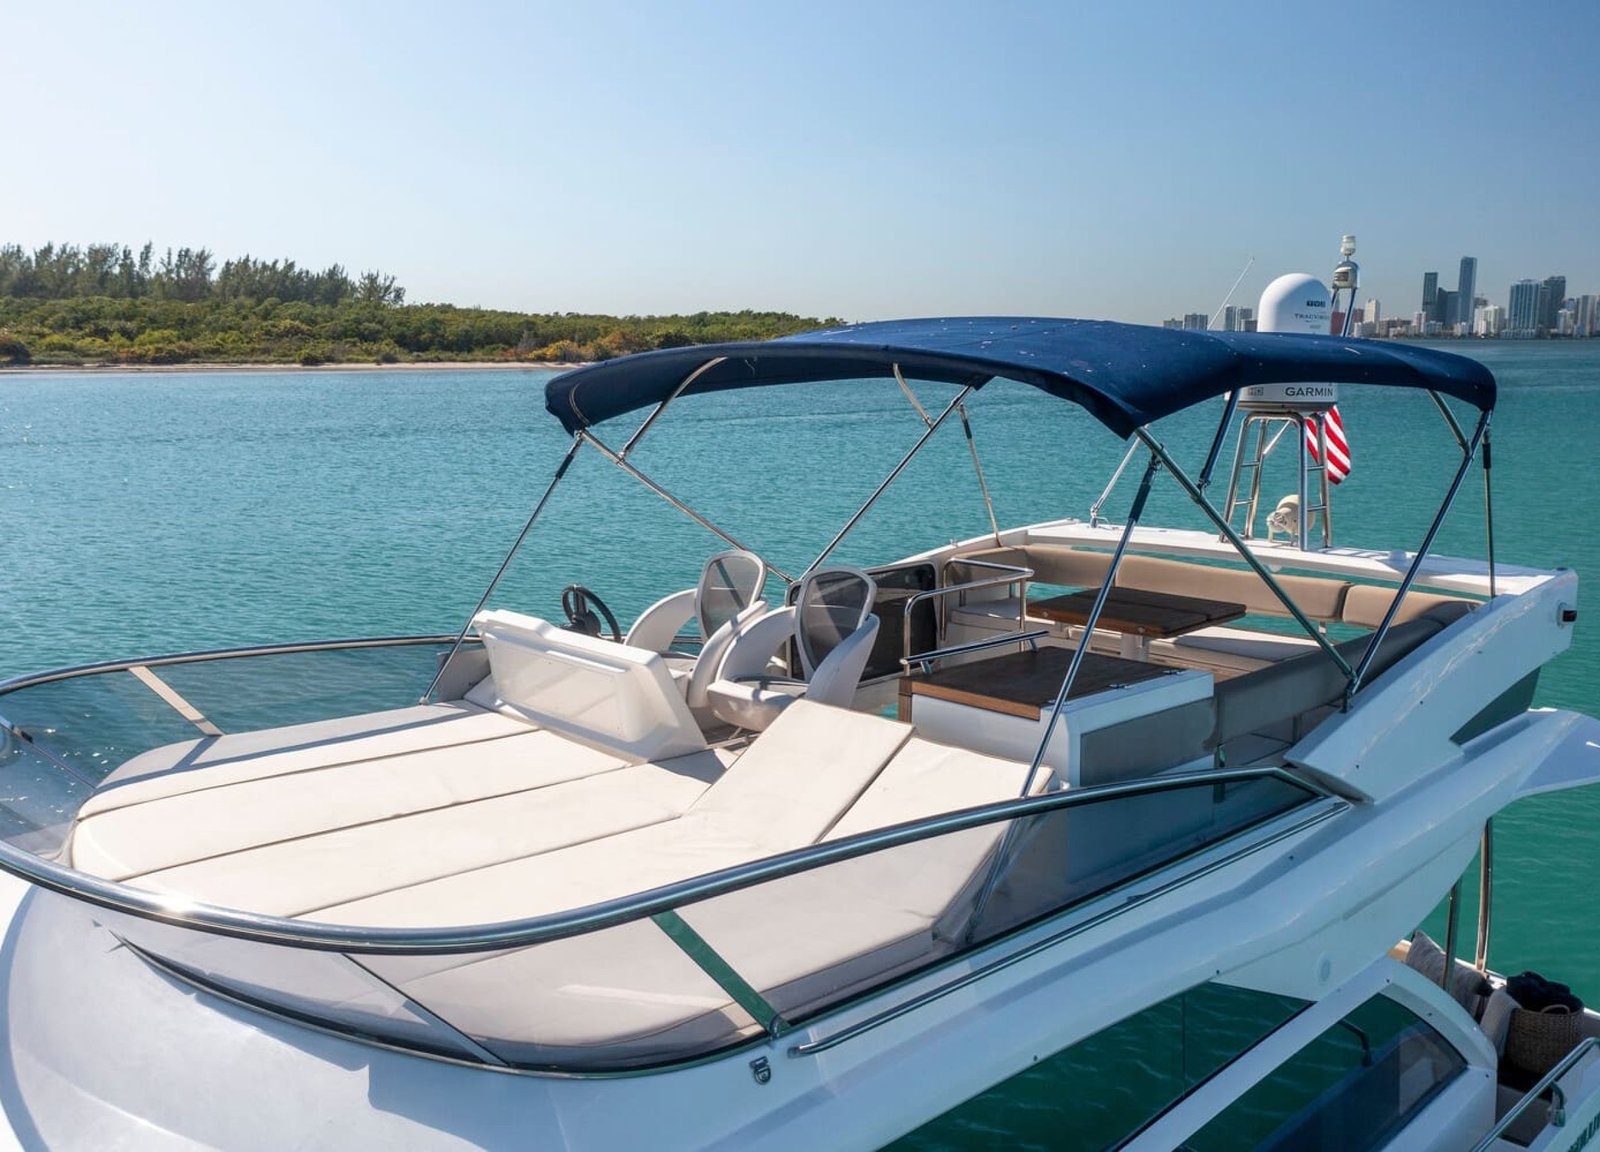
(1446, 310)
(1430, 295)
(1173, 323)
(1491, 320)
(1247, 319)
(1522, 314)
(1196, 322)
(1552, 296)
(1230, 318)
(1466, 289)
(1374, 311)
(1587, 320)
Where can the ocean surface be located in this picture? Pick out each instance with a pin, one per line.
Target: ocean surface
(148, 513)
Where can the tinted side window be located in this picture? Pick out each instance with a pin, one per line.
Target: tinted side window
(1350, 1089)
(1099, 1092)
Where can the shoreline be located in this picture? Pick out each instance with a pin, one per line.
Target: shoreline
(257, 366)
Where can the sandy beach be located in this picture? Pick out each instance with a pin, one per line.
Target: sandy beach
(361, 366)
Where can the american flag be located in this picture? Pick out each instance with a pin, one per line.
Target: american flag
(1338, 446)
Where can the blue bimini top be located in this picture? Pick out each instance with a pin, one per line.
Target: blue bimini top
(1125, 375)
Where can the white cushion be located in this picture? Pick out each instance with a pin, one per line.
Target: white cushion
(176, 768)
(786, 791)
(925, 779)
(293, 877)
(618, 698)
(1247, 643)
(217, 818)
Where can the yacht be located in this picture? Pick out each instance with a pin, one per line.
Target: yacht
(811, 858)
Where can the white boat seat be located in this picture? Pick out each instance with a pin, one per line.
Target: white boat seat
(1260, 701)
(832, 628)
(730, 586)
(609, 695)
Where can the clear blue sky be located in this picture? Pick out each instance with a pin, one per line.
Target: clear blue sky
(862, 160)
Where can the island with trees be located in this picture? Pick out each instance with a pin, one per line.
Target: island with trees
(108, 305)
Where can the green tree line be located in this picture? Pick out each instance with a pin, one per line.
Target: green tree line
(106, 304)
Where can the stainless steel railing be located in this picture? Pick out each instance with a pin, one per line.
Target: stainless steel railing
(457, 939)
(1010, 574)
(1547, 1083)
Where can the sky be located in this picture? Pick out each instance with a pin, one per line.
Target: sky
(862, 160)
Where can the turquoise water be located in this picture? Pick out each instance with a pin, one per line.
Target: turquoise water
(148, 513)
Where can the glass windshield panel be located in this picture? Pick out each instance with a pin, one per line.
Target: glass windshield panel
(248, 693)
(95, 722)
(38, 799)
(1351, 1089)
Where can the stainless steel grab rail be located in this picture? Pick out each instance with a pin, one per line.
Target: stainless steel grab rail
(455, 939)
(1013, 574)
(926, 659)
(1558, 1105)
(30, 679)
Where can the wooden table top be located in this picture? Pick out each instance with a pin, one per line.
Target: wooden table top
(1024, 683)
(1139, 612)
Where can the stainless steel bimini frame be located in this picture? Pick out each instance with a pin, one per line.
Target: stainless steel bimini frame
(620, 459)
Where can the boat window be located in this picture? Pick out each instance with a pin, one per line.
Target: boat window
(1104, 1089)
(1352, 1088)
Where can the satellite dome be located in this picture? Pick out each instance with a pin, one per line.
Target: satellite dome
(1295, 303)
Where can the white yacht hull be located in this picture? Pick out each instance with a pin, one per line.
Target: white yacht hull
(101, 1049)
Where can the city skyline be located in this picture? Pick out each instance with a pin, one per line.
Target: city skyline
(1535, 308)
(886, 160)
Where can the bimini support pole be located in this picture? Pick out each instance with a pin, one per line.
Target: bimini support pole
(561, 470)
(977, 466)
(889, 479)
(1480, 955)
(627, 467)
(655, 413)
(1243, 549)
(1488, 508)
(1422, 553)
(992, 879)
(1217, 441)
(1134, 513)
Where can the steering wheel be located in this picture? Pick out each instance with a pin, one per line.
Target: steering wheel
(580, 605)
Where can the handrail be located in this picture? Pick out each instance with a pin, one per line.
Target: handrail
(1558, 1109)
(1019, 571)
(456, 939)
(31, 679)
(1016, 575)
(926, 659)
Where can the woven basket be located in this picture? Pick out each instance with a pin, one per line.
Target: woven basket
(1536, 1041)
